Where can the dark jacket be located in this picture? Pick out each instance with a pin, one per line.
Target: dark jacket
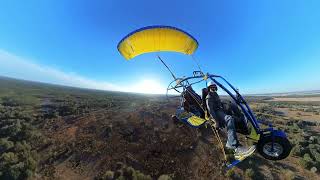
(215, 108)
(213, 102)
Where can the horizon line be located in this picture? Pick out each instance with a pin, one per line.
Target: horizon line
(316, 91)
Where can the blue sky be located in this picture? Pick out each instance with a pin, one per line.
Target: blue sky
(260, 46)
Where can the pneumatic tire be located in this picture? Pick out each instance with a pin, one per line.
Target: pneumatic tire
(282, 147)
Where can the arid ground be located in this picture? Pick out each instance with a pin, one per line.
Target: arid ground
(55, 132)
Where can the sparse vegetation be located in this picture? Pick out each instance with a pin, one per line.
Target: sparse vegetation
(307, 161)
(42, 126)
(125, 172)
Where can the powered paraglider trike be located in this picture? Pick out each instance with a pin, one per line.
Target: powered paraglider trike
(271, 143)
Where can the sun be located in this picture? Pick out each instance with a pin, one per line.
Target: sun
(149, 86)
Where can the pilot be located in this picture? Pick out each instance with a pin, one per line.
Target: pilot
(215, 110)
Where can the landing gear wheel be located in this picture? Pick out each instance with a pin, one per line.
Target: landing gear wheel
(281, 147)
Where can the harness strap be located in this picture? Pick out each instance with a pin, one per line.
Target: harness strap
(211, 122)
(219, 139)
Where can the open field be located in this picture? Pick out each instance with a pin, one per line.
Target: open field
(54, 132)
(297, 99)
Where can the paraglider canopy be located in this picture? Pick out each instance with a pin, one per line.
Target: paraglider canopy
(156, 39)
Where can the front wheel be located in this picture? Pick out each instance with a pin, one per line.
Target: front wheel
(280, 150)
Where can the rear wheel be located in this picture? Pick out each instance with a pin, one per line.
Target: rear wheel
(280, 150)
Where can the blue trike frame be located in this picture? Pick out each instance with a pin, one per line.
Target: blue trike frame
(237, 98)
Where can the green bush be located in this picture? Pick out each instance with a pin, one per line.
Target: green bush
(18, 164)
(307, 161)
(17, 159)
(124, 172)
(8, 166)
(314, 146)
(165, 177)
(121, 178)
(307, 157)
(309, 109)
(141, 176)
(316, 156)
(109, 175)
(9, 101)
(5, 145)
(297, 150)
(128, 172)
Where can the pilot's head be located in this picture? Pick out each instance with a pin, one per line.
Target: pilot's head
(212, 86)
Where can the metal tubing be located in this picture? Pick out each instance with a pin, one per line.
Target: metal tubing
(241, 106)
(246, 109)
(242, 99)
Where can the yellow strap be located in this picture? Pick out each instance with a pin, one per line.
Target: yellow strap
(219, 139)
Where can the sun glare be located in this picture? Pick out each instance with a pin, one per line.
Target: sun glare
(149, 86)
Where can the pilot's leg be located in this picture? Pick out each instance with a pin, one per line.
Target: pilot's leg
(232, 141)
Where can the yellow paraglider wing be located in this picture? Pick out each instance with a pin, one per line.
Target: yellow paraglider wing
(155, 39)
